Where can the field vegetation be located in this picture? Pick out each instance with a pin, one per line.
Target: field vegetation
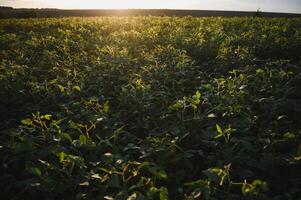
(150, 108)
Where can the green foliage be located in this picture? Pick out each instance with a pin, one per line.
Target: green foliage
(150, 108)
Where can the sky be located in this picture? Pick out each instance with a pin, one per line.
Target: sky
(291, 6)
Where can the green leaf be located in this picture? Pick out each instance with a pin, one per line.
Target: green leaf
(212, 174)
(246, 188)
(26, 121)
(179, 104)
(83, 139)
(36, 171)
(106, 107)
(218, 136)
(194, 106)
(53, 81)
(77, 88)
(136, 196)
(62, 89)
(212, 115)
(62, 156)
(154, 190)
(86, 183)
(132, 197)
(68, 137)
(281, 117)
(161, 174)
(195, 101)
(163, 193)
(96, 176)
(198, 94)
(48, 116)
(259, 71)
(219, 129)
(108, 154)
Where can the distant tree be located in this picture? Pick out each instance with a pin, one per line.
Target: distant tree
(26, 14)
(258, 13)
(6, 8)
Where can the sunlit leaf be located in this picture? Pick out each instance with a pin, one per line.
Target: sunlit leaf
(96, 176)
(48, 116)
(62, 156)
(211, 115)
(106, 107)
(86, 183)
(62, 89)
(219, 129)
(198, 94)
(26, 121)
(77, 88)
(83, 139)
(163, 193)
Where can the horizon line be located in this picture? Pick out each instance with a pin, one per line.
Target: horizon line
(180, 9)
